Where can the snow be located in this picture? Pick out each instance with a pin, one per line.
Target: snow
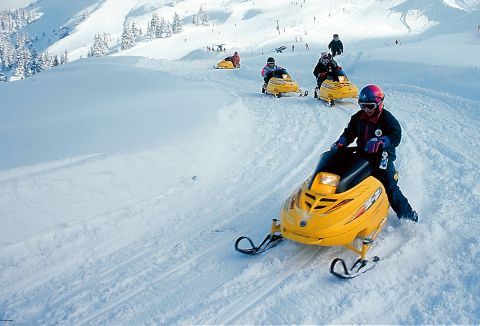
(125, 180)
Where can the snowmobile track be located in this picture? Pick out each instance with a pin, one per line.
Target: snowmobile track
(228, 314)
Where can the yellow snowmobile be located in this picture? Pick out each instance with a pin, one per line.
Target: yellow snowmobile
(340, 204)
(331, 90)
(226, 64)
(282, 84)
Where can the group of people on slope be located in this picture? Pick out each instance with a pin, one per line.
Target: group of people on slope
(376, 131)
(325, 67)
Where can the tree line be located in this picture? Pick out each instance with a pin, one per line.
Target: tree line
(17, 54)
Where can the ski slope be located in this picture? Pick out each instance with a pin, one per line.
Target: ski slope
(125, 180)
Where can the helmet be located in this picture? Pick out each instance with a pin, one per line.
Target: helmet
(335, 35)
(325, 57)
(270, 60)
(371, 94)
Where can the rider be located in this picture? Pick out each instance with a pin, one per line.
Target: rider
(235, 59)
(378, 133)
(335, 45)
(325, 67)
(269, 69)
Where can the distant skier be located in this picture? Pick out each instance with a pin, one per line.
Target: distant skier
(269, 69)
(325, 67)
(235, 59)
(335, 45)
(377, 133)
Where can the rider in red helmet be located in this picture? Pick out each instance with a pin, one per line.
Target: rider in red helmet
(378, 133)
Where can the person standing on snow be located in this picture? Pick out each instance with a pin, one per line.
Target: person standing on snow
(378, 133)
(235, 59)
(335, 45)
(325, 67)
(269, 69)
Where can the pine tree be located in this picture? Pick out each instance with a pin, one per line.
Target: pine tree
(203, 16)
(64, 58)
(153, 26)
(195, 20)
(176, 25)
(56, 62)
(7, 53)
(165, 29)
(22, 57)
(35, 63)
(99, 47)
(128, 37)
(45, 61)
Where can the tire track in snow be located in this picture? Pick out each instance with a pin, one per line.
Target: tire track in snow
(143, 255)
(228, 313)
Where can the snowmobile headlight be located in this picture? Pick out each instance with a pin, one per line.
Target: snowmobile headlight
(325, 183)
(284, 76)
(329, 179)
(342, 79)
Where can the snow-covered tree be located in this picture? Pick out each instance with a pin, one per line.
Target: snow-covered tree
(7, 53)
(22, 57)
(100, 46)
(153, 26)
(165, 28)
(35, 63)
(45, 61)
(137, 32)
(176, 25)
(203, 16)
(195, 20)
(56, 61)
(128, 37)
(64, 57)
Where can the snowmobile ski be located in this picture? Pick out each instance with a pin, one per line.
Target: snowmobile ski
(269, 242)
(360, 267)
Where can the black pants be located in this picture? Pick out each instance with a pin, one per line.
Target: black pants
(320, 80)
(397, 200)
(335, 52)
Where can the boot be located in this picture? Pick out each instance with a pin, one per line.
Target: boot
(412, 216)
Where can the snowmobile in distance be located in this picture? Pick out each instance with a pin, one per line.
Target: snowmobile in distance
(340, 204)
(331, 90)
(226, 64)
(281, 84)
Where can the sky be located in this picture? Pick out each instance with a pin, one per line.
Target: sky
(125, 180)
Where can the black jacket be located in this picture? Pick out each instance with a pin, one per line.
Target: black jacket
(336, 46)
(328, 68)
(363, 128)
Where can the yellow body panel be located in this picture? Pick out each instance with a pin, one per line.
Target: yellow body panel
(225, 64)
(284, 85)
(313, 218)
(331, 90)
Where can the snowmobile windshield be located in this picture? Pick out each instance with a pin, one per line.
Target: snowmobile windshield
(279, 73)
(351, 168)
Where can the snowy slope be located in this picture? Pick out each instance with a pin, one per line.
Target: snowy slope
(125, 180)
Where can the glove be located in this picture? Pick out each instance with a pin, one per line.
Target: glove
(339, 68)
(375, 144)
(322, 74)
(339, 144)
